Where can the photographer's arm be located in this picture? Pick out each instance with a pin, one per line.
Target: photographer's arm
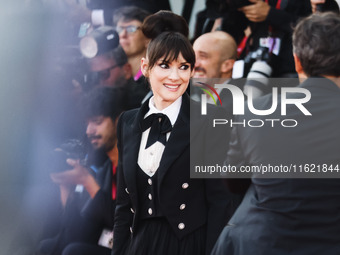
(256, 12)
(280, 17)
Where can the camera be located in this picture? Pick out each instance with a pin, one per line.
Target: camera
(71, 66)
(100, 40)
(72, 148)
(258, 64)
(71, 60)
(235, 4)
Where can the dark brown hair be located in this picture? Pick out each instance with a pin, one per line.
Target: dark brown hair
(169, 45)
(129, 13)
(164, 21)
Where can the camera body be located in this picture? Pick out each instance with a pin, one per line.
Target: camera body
(235, 4)
(258, 69)
(74, 149)
(261, 54)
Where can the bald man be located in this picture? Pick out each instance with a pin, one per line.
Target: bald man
(216, 53)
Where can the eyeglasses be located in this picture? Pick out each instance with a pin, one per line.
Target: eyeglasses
(105, 74)
(95, 77)
(129, 29)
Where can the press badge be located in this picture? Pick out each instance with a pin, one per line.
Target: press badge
(106, 238)
(272, 43)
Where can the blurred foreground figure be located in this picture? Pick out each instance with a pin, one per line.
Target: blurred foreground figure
(88, 193)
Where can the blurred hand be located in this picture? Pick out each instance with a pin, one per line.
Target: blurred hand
(78, 175)
(315, 2)
(256, 12)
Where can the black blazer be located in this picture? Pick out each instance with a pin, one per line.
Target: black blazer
(288, 216)
(206, 200)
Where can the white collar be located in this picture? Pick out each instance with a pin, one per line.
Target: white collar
(171, 111)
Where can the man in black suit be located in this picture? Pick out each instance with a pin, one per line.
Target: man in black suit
(292, 215)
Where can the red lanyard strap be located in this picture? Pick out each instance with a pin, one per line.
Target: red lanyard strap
(278, 4)
(242, 46)
(114, 185)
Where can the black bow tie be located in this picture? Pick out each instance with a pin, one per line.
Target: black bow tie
(160, 125)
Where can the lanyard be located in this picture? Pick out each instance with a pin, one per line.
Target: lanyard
(241, 46)
(114, 184)
(243, 43)
(278, 4)
(138, 75)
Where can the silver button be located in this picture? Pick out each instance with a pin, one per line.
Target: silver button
(185, 185)
(132, 210)
(182, 206)
(151, 153)
(150, 181)
(181, 226)
(150, 211)
(131, 230)
(150, 196)
(126, 190)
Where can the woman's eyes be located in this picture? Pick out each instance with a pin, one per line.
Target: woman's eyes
(164, 65)
(182, 67)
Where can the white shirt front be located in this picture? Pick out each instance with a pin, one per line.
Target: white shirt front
(150, 158)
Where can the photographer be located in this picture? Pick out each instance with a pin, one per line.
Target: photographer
(270, 24)
(109, 66)
(88, 194)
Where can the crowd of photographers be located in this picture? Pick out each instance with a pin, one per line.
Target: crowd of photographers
(99, 68)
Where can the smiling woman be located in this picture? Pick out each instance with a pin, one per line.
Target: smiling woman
(167, 68)
(157, 202)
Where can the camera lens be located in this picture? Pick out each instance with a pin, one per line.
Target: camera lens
(257, 79)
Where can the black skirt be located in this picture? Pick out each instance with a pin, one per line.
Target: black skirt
(156, 237)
